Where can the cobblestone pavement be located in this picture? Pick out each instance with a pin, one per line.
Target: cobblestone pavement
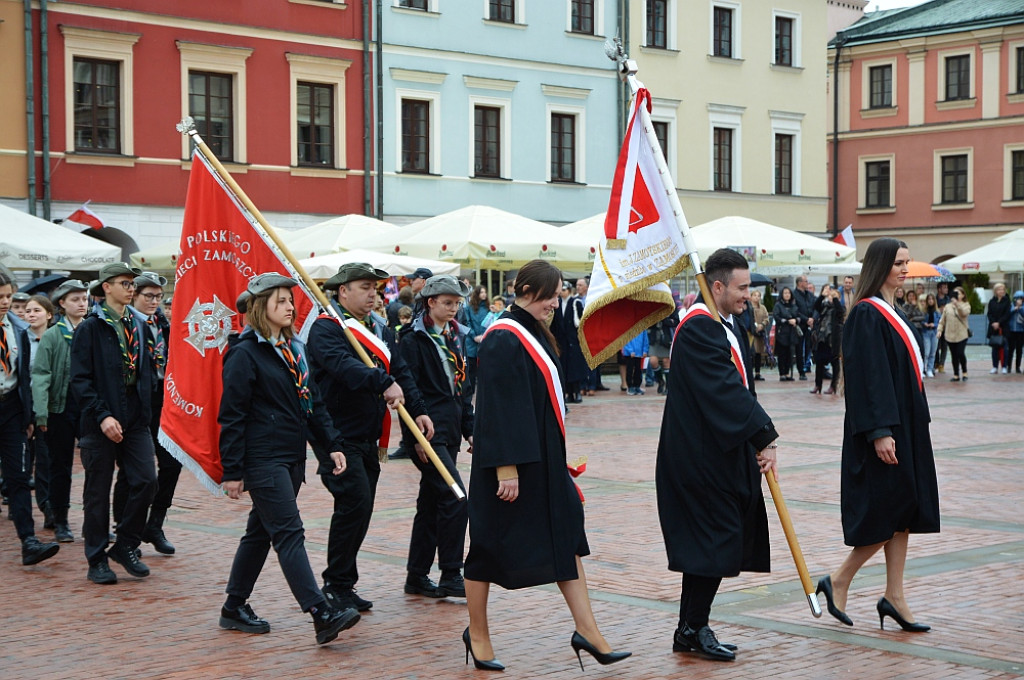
(965, 581)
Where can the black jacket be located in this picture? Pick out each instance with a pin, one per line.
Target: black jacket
(452, 415)
(97, 381)
(24, 387)
(999, 312)
(784, 333)
(261, 418)
(805, 303)
(352, 390)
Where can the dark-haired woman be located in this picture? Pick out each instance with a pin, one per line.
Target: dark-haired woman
(889, 488)
(525, 515)
(788, 331)
(953, 328)
(827, 337)
(474, 313)
(268, 409)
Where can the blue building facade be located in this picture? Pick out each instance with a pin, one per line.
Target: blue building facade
(507, 103)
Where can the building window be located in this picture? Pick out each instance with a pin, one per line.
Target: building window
(877, 194)
(413, 4)
(723, 159)
(881, 86)
(958, 77)
(1020, 70)
(563, 147)
(97, 105)
(722, 37)
(415, 136)
(784, 41)
(954, 179)
(1017, 176)
(503, 10)
(784, 164)
(315, 118)
(210, 104)
(657, 23)
(661, 132)
(583, 16)
(486, 141)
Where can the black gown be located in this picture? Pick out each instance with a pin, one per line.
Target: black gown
(536, 538)
(710, 503)
(883, 397)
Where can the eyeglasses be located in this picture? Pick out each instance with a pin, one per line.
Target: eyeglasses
(152, 297)
(127, 284)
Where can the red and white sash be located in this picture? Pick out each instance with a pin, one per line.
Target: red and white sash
(547, 367)
(903, 330)
(378, 348)
(700, 309)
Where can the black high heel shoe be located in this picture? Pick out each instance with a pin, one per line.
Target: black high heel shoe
(579, 642)
(491, 665)
(885, 608)
(825, 586)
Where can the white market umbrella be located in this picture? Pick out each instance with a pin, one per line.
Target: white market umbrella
(1005, 254)
(839, 269)
(28, 242)
(159, 258)
(334, 235)
(772, 246)
(483, 237)
(326, 266)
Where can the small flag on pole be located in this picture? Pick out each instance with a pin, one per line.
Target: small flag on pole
(846, 238)
(642, 248)
(85, 217)
(221, 250)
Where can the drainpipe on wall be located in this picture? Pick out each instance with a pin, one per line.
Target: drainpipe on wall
(30, 111)
(380, 111)
(840, 39)
(44, 83)
(367, 113)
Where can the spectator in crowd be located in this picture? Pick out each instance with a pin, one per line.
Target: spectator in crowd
(404, 317)
(827, 338)
(39, 314)
(788, 333)
(18, 302)
(564, 328)
(635, 351)
(998, 315)
(404, 299)
(660, 336)
(941, 300)
(912, 309)
(953, 327)
(1016, 330)
(510, 292)
(496, 310)
(900, 297)
(474, 313)
(847, 293)
(804, 300)
(929, 326)
(759, 336)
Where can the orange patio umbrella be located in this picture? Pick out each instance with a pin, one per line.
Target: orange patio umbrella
(921, 270)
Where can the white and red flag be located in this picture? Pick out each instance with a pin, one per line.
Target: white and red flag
(642, 248)
(222, 248)
(85, 217)
(845, 238)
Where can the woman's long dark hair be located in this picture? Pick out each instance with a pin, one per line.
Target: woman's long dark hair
(541, 280)
(474, 298)
(878, 261)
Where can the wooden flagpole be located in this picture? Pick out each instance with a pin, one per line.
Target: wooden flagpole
(187, 126)
(628, 70)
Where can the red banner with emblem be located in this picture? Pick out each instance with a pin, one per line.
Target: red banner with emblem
(222, 247)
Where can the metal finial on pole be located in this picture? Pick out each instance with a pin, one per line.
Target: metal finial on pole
(187, 125)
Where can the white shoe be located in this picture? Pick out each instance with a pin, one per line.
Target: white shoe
(1004, 370)
(993, 371)
(931, 374)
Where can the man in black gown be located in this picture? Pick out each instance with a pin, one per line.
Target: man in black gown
(715, 441)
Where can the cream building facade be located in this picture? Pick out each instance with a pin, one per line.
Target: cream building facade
(739, 104)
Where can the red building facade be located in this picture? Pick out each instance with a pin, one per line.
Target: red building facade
(931, 127)
(275, 86)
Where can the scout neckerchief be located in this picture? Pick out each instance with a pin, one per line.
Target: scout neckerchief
(129, 342)
(902, 330)
(5, 350)
(155, 343)
(448, 335)
(700, 309)
(300, 374)
(380, 353)
(66, 330)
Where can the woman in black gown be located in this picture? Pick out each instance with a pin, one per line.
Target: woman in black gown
(525, 515)
(889, 488)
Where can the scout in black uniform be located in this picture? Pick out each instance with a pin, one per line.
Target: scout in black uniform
(268, 410)
(358, 398)
(148, 295)
(433, 351)
(112, 381)
(715, 442)
(16, 425)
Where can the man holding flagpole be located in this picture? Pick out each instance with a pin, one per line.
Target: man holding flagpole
(716, 440)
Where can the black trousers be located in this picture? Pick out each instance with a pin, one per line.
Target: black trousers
(801, 349)
(61, 432)
(167, 466)
(784, 355)
(1016, 348)
(354, 492)
(819, 372)
(135, 455)
(39, 461)
(274, 520)
(695, 600)
(14, 464)
(958, 355)
(441, 519)
(940, 353)
(634, 371)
